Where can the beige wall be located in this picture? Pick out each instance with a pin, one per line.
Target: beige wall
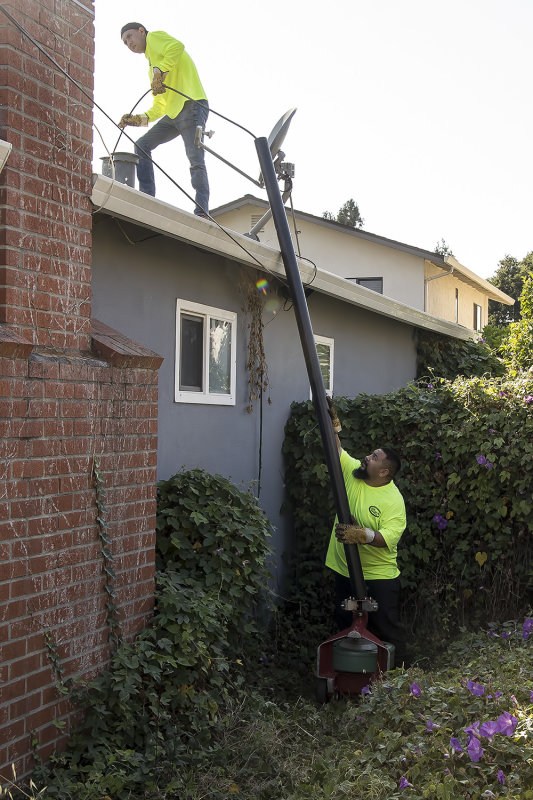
(344, 254)
(441, 298)
(404, 274)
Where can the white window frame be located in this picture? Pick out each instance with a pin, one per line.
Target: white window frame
(206, 313)
(478, 313)
(331, 343)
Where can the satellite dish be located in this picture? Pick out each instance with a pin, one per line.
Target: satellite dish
(277, 135)
(279, 131)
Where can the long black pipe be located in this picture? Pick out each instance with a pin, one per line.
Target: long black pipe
(311, 359)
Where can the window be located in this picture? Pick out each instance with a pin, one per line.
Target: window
(457, 305)
(477, 317)
(324, 349)
(205, 354)
(376, 284)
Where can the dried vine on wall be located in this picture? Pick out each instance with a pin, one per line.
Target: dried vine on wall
(253, 305)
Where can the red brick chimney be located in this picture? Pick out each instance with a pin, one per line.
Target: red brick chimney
(78, 402)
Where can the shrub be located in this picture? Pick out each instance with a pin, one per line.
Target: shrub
(153, 711)
(467, 448)
(448, 358)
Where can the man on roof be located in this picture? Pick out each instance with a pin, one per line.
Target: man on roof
(169, 66)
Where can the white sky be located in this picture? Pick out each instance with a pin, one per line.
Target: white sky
(421, 110)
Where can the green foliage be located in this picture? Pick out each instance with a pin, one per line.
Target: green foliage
(509, 277)
(467, 448)
(153, 711)
(348, 214)
(449, 358)
(442, 248)
(494, 336)
(517, 348)
(264, 748)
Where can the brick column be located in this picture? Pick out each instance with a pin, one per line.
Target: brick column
(45, 212)
(78, 406)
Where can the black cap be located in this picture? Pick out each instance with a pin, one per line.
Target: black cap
(129, 26)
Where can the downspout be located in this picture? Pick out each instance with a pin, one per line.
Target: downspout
(434, 278)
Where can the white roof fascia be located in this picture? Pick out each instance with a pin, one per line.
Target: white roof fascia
(441, 262)
(470, 277)
(133, 206)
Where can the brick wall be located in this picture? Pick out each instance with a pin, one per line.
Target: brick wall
(74, 398)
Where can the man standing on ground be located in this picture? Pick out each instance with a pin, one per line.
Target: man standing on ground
(378, 514)
(169, 64)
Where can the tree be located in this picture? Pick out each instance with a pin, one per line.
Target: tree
(518, 347)
(348, 214)
(509, 278)
(442, 248)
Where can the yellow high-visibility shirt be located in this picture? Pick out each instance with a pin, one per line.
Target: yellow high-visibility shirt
(169, 55)
(380, 508)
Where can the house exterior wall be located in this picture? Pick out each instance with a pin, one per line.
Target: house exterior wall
(138, 286)
(344, 254)
(73, 400)
(441, 298)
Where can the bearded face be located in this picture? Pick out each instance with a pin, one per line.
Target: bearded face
(362, 471)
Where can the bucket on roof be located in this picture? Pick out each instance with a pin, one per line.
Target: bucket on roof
(125, 167)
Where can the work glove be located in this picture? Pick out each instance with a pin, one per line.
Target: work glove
(135, 120)
(337, 427)
(353, 533)
(157, 83)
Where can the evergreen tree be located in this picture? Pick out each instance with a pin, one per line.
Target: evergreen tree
(348, 214)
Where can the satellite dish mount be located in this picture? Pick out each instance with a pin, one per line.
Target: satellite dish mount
(283, 169)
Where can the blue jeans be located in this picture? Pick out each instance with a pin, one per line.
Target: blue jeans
(185, 124)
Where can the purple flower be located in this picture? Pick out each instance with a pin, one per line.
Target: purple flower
(481, 460)
(488, 729)
(506, 635)
(431, 726)
(501, 394)
(366, 690)
(489, 465)
(530, 696)
(220, 549)
(507, 723)
(442, 522)
(415, 689)
(475, 688)
(475, 751)
(491, 431)
(472, 730)
(501, 777)
(529, 398)
(438, 455)
(491, 633)
(404, 783)
(455, 744)
(528, 627)
(430, 386)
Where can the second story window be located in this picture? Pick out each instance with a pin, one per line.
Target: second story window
(205, 354)
(376, 284)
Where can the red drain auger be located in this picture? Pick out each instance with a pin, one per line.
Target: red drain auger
(351, 659)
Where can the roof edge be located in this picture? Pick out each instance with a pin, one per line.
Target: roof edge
(123, 202)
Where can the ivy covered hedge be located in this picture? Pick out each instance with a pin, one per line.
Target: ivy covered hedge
(152, 713)
(467, 449)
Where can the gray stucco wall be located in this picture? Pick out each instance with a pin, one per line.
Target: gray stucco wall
(135, 288)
